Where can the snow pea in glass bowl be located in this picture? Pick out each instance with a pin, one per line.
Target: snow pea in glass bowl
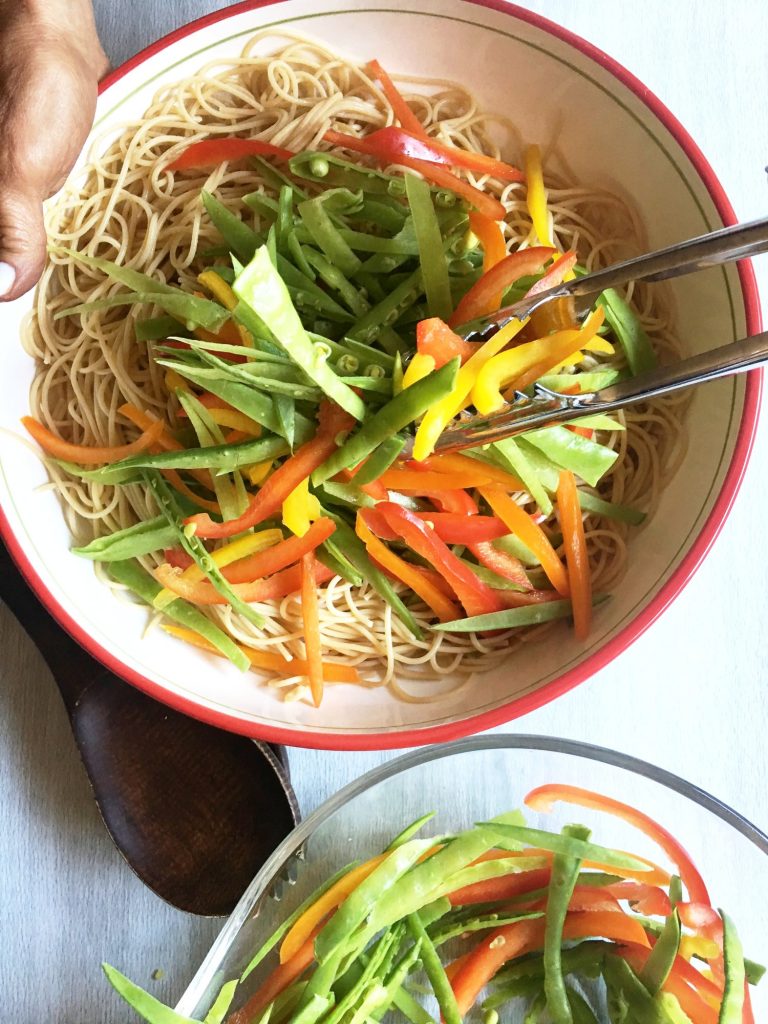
(471, 781)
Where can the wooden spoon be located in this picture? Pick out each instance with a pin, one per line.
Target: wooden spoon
(195, 811)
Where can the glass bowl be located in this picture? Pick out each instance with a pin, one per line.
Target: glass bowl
(470, 781)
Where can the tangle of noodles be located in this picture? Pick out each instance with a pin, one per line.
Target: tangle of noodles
(127, 208)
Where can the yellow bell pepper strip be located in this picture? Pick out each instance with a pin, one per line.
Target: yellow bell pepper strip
(517, 364)
(270, 559)
(238, 549)
(332, 421)
(443, 607)
(530, 533)
(258, 472)
(211, 152)
(537, 196)
(300, 508)
(435, 172)
(89, 455)
(574, 542)
(419, 367)
(436, 339)
(396, 100)
(236, 420)
(485, 295)
(311, 615)
(458, 463)
(440, 415)
(301, 929)
(332, 673)
(221, 291)
(588, 338)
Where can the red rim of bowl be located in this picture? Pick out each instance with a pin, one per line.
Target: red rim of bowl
(519, 706)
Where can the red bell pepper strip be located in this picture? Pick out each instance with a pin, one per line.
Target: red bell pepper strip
(178, 558)
(435, 338)
(650, 900)
(375, 489)
(287, 552)
(453, 501)
(435, 172)
(90, 455)
(277, 487)
(211, 152)
(432, 596)
(544, 797)
(485, 294)
(503, 888)
(555, 275)
(500, 562)
(575, 544)
(476, 596)
(311, 616)
(401, 110)
(452, 527)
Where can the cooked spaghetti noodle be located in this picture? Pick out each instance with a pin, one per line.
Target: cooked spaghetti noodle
(127, 208)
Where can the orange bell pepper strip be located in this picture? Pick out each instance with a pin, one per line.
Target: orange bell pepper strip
(650, 900)
(544, 797)
(414, 481)
(397, 101)
(374, 489)
(485, 295)
(436, 339)
(443, 607)
(277, 982)
(491, 238)
(458, 463)
(211, 152)
(513, 940)
(575, 544)
(268, 501)
(287, 552)
(530, 533)
(435, 172)
(476, 597)
(311, 615)
(302, 928)
(273, 662)
(89, 455)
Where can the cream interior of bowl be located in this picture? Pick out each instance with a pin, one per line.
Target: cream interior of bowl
(610, 137)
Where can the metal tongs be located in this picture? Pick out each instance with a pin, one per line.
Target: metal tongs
(577, 298)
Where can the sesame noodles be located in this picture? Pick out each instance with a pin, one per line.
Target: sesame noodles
(127, 208)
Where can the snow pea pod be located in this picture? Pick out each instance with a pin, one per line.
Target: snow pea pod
(584, 457)
(581, 1011)
(511, 618)
(610, 509)
(334, 278)
(434, 266)
(328, 169)
(386, 312)
(518, 836)
(565, 871)
(224, 457)
(131, 575)
(625, 324)
(242, 240)
(221, 1003)
(733, 959)
(146, 1005)
(132, 542)
(662, 956)
(155, 328)
(359, 904)
(380, 460)
(393, 417)
(410, 831)
(435, 971)
(324, 233)
(194, 547)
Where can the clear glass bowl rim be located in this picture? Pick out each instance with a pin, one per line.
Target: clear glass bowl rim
(504, 741)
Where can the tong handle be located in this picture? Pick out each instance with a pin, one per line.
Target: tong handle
(734, 243)
(737, 357)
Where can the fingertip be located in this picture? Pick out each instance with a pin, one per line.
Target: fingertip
(7, 279)
(22, 244)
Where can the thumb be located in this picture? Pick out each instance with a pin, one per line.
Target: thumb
(22, 242)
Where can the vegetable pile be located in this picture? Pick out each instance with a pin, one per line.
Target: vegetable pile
(321, 338)
(552, 927)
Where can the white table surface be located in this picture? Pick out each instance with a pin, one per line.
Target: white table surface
(690, 695)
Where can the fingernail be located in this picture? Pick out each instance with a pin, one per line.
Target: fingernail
(7, 277)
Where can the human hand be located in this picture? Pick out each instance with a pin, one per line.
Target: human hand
(50, 64)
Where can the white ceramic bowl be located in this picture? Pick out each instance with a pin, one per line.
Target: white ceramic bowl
(613, 131)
